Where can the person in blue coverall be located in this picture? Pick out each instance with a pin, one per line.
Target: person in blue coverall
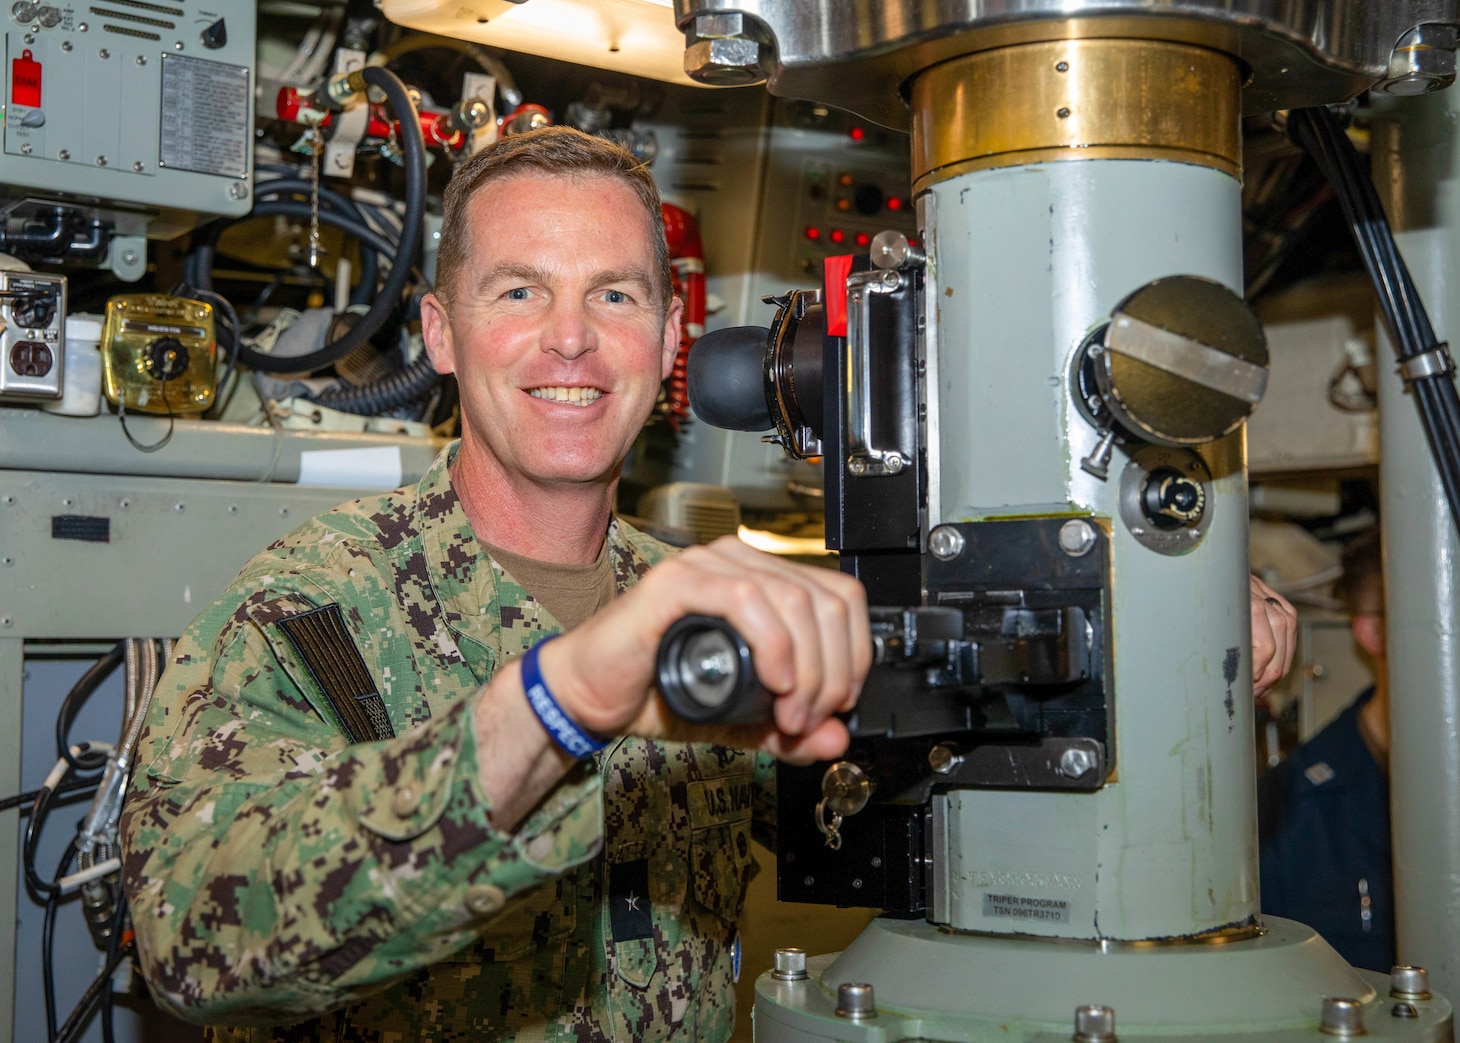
(1323, 813)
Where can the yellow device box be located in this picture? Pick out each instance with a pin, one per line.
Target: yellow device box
(159, 354)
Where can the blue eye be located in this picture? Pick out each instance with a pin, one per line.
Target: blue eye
(616, 297)
(518, 294)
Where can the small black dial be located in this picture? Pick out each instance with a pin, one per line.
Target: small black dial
(1170, 500)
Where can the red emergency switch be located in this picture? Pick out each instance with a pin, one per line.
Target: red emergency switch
(25, 81)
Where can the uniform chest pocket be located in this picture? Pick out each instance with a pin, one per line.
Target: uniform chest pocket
(721, 867)
(720, 861)
(538, 919)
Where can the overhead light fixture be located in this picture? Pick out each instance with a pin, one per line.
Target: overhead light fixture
(637, 37)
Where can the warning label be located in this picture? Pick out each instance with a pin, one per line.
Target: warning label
(205, 123)
(1013, 907)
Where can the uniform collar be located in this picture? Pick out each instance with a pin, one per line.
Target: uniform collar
(469, 596)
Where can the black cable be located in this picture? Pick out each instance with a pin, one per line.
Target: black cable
(79, 1018)
(364, 289)
(1318, 132)
(43, 888)
(235, 332)
(389, 393)
(48, 931)
(80, 692)
(67, 788)
(413, 148)
(113, 958)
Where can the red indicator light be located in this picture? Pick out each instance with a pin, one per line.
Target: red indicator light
(912, 242)
(857, 133)
(837, 235)
(812, 232)
(863, 238)
(894, 202)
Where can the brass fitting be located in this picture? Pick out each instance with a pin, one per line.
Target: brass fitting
(1076, 99)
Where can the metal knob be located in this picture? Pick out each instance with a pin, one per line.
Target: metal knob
(1342, 1017)
(790, 965)
(1094, 1024)
(855, 1000)
(1409, 983)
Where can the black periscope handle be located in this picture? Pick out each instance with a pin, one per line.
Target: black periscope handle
(705, 674)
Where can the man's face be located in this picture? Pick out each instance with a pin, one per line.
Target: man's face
(554, 333)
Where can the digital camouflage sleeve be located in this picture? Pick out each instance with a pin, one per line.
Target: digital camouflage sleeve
(284, 878)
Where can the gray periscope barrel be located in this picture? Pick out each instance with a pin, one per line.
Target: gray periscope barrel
(727, 379)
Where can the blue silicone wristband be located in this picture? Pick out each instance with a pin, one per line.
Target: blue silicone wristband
(559, 725)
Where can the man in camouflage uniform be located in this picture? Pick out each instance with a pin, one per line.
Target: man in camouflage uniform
(417, 858)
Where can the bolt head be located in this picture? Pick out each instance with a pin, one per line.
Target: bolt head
(719, 26)
(1076, 762)
(790, 965)
(1094, 1024)
(1077, 537)
(1342, 1017)
(1409, 983)
(725, 62)
(943, 758)
(237, 190)
(945, 542)
(855, 1000)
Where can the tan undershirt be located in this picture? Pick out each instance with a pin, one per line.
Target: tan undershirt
(572, 593)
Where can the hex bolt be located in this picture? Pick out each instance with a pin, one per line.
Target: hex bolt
(1094, 1024)
(945, 542)
(1077, 537)
(237, 190)
(725, 61)
(943, 758)
(856, 1001)
(790, 965)
(1076, 762)
(1409, 983)
(1342, 1017)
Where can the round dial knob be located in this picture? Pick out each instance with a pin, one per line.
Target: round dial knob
(1169, 499)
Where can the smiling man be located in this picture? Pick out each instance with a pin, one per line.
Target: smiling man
(374, 801)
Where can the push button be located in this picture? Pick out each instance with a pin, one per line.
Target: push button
(405, 801)
(484, 899)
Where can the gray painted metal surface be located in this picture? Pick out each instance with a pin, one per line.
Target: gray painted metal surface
(1414, 153)
(172, 545)
(12, 672)
(33, 440)
(1269, 989)
(1300, 52)
(1026, 262)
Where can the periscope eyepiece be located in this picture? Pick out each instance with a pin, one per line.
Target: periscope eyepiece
(705, 674)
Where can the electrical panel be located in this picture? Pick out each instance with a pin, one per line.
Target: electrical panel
(818, 182)
(833, 182)
(32, 316)
(137, 115)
